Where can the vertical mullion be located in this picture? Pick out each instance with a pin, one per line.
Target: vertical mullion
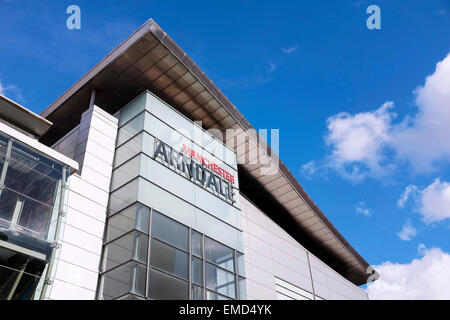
(203, 267)
(17, 210)
(236, 276)
(17, 280)
(147, 281)
(5, 165)
(190, 264)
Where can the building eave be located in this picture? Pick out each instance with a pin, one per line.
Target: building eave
(23, 118)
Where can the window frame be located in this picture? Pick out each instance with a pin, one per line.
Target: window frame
(237, 277)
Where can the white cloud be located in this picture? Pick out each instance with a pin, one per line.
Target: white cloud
(289, 50)
(358, 142)
(408, 232)
(424, 278)
(272, 67)
(410, 190)
(424, 140)
(434, 202)
(361, 208)
(308, 169)
(11, 91)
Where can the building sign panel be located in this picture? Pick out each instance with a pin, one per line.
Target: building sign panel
(198, 169)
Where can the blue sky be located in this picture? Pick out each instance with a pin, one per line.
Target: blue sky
(311, 69)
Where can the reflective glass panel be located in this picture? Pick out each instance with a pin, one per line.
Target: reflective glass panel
(169, 259)
(32, 159)
(197, 293)
(197, 244)
(33, 175)
(3, 146)
(220, 280)
(131, 246)
(31, 182)
(8, 200)
(165, 287)
(130, 297)
(2, 162)
(32, 215)
(242, 289)
(214, 296)
(127, 278)
(240, 264)
(219, 254)
(135, 217)
(197, 271)
(170, 231)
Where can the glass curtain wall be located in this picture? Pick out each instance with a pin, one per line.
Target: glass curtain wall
(31, 190)
(148, 255)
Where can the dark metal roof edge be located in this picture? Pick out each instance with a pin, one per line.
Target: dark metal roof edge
(42, 124)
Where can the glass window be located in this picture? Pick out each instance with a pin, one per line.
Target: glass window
(165, 287)
(2, 162)
(35, 216)
(169, 259)
(12, 263)
(33, 175)
(131, 246)
(240, 264)
(3, 147)
(128, 150)
(125, 173)
(197, 244)
(130, 129)
(214, 296)
(127, 278)
(8, 200)
(135, 217)
(25, 155)
(220, 280)
(31, 182)
(123, 197)
(242, 289)
(219, 254)
(197, 293)
(30, 214)
(197, 271)
(170, 231)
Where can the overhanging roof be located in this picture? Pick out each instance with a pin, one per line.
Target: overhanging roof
(23, 118)
(150, 60)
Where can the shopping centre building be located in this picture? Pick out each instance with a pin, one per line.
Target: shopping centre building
(143, 181)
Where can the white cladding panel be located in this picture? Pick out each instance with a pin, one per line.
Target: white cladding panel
(272, 257)
(76, 266)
